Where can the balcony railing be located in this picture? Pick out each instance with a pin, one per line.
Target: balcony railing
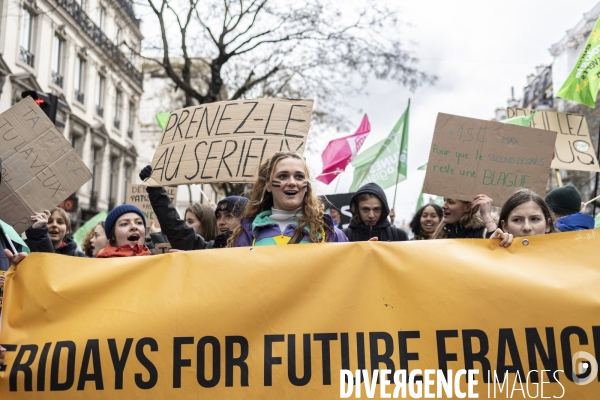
(79, 96)
(57, 79)
(100, 39)
(26, 56)
(100, 111)
(117, 123)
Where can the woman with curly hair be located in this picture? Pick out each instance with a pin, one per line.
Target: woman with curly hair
(425, 221)
(283, 208)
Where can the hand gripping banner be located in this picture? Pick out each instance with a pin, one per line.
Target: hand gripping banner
(450, 318)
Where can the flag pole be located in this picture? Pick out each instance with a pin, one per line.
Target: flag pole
(339, 178)
(404, 129)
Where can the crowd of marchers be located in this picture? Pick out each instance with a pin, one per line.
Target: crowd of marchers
(282, 209)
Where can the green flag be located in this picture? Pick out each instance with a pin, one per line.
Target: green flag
(582, 84)
(385, 161)
(162, 119)
(13, 236)
(85, 228)
(524, 120)
(597, 221)
(422, 167)
(420, 202)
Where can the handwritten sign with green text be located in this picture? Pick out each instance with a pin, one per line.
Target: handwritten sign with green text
(470, 156)
(573, 149)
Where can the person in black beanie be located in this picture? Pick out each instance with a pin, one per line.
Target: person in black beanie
(180, 235)
(565, 203)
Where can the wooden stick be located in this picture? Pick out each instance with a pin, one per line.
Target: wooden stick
(592, 200)
(558, 178)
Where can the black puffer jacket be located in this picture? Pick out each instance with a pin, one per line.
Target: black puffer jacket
(383, 230)
(39, 242)
(181, 236)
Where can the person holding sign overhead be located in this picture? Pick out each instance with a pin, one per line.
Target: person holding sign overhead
(470, 220)
(48, 234)
(283, 208)
(196, 232)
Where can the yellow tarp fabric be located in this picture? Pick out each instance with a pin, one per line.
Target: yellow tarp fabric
(281, 321)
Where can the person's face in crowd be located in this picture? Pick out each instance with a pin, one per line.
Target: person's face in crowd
(98, 241)
(370, 210)
(454, 210)
(57, 229)
(429, 220)
(526, 220)
(226, 222)
(129, 229)
(192, 221)
(289, 184)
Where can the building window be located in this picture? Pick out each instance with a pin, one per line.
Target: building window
(80, 79)
(77, 143)
(130, 117)
(57, 61)
(96, 176)
(100, 96)
(114, 181)
(101, 17)
(26, 45)
(118, 35)
(82, 4)
(126, 180)
(117, 110)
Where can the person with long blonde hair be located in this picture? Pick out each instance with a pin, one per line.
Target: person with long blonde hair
(283, 208)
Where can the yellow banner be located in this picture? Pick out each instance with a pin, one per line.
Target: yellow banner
(286, 321)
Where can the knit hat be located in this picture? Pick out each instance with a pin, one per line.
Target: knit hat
(234, 204)
(116, 212)
(564, 200)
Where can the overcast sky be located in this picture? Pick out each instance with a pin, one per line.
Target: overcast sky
(479, 50)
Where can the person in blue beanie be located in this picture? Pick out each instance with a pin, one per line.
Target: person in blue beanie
(565, 203)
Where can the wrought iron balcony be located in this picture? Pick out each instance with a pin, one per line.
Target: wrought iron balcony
(57, 79)
(100, 111)
(79, 96)
(100, 39)
(117, 123)
(26, 56)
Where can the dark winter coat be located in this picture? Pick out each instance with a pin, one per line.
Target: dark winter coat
(39, 242)
(474, 228)
(181, 236)
(383, 229)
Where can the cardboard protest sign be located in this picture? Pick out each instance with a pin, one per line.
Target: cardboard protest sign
(470, 156)
(137, 195)
(227, 141)
(338, 206)
(573, 149)
(40, 168)
(286, 322)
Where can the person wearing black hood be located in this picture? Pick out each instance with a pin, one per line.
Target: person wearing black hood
(184, 237)
(370, 212)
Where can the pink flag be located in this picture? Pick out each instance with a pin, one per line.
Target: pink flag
(340, 152)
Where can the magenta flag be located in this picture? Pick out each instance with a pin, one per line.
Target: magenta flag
(340, 152)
